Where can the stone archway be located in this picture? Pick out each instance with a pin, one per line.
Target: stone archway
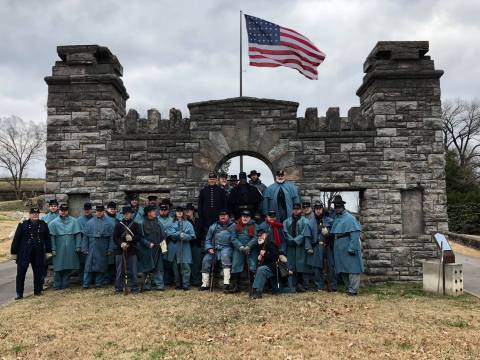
(245, 153)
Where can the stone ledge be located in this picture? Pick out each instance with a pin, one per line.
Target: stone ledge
(472, 241)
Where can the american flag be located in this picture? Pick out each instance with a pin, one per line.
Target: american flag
(271, 45)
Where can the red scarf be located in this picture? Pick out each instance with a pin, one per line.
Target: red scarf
(276, 233)
(239, 228)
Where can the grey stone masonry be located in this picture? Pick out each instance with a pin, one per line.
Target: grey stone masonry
(389, 149)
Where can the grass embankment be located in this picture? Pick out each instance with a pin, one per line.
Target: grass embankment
(28, 185)
(8, 222)
(391, 321)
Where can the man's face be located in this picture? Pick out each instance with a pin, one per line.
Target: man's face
(153, 203)
(212, 181)
(163, 212)
(127, 215)
(151, 214)
(243, 181)
(318, 211)
(87, 212)
(271, 218)
(63, 213)
(280, 178)
(262, 237)
(179, 214)
(338, 209)
(307, 210)
(245, 219)
(112, 211)
(233, 183)
(223, 218)
(99, 213)
(254, 178)
(189, 213)
(223, 181)
(134, 203)
(297, 212)
(34, 216)
(53, 208)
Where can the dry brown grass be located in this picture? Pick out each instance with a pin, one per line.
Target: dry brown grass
(392, 321)
(8, 222)
(464, 250)
(28, 185)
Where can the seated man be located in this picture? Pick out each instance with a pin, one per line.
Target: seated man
(267, 263)
(218, 245)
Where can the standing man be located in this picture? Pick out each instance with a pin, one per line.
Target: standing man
(223, 180)
(138, 212)
(267, 263)
(254, 177)
(180, 233)
(31, 245)
(211, 200)
(66, 236)
(244, 197)
(319, 248)
(151, 255)
(126, 237)
(82, 221)
(233, 181)
(218, 247)
(153, 200)
(52, 211)
(280, 196)
(347, 249)
(196, 245)
(166, 220)
(95, 245)
(294, 228)
(114, 217)
(244, 240)
(307, 210)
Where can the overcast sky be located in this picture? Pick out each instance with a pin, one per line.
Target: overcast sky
(176, 52)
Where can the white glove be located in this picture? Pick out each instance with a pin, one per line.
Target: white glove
(163, 247)
(124, 245)
(325, 231)
(241, 248)
(128, 237)
(182, 235)
(283, 258)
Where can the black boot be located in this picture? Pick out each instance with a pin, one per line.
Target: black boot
(256, 294)
(236, 287)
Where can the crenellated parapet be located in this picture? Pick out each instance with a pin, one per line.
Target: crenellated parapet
(332, 121)
(132, 123)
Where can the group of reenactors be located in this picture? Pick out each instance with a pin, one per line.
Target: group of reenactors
(242, 230)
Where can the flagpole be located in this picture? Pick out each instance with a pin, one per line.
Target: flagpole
(241, 75)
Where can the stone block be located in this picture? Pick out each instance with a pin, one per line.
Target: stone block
(59, 120)
(394, 154)
(433, 278)
(387, 132)
(147, 179)
(355, 147)
(406, 105)
(384, 107)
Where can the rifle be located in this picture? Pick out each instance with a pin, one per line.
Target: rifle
(248, 275)
(212, 267)
(326, 268)
(125, 271)
(181, 252)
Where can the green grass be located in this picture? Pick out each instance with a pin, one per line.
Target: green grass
(14, 205)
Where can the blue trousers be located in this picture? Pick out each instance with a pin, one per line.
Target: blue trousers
(320, 277)
(261, 277)
(155, 280)
(61, 279)
(89, 276)
(185, 283)
(352, 282)
(132, 272)
(224, 255)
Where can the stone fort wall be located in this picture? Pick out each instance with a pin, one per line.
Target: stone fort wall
(390, 148)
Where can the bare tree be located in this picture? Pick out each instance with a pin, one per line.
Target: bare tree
(20, 142)
(327, 197)
(461, 130)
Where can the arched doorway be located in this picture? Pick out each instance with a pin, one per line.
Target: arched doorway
(247, 161)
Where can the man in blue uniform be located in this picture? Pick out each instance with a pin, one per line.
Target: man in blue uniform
(347, 249)
(66, 236)
(52, 211)
(95, 245)
(280, 196)
(320, 249)
(218, 247)
(30, 245)
(82, 221)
